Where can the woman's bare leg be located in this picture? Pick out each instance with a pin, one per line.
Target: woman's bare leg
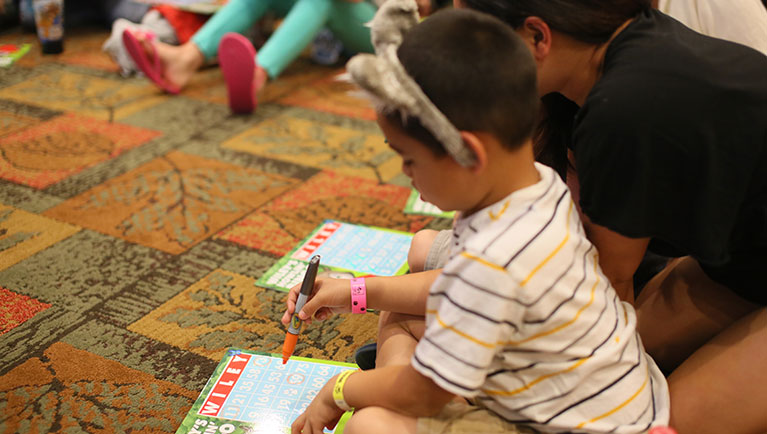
(716, 344)
(722, 387)
(681, 309)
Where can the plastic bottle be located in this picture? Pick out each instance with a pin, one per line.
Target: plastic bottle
(49, 19)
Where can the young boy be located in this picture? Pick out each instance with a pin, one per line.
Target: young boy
(521, 320)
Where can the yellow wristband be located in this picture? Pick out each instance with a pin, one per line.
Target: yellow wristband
(338, 391)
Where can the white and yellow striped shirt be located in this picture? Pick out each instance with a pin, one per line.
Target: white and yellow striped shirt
(523, 319)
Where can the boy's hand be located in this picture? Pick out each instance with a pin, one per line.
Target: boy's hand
(328, 296)
(321, 413)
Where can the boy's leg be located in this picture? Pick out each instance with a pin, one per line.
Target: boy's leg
(398, 335)
(297, 30)
(374, 420)
(419, 249)
(455, 418)
(719, 343)
(429, 250)
(348, 21)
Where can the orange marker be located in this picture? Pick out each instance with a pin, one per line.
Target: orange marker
(291, 337)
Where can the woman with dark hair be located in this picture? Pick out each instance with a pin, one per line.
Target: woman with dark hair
(662, 133)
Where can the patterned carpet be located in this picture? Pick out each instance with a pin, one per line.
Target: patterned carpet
(133, 226)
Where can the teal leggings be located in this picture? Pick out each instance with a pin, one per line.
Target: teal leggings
(303, 20)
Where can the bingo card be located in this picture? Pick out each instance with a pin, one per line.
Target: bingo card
(415, 205)
(345, 248)
(251, 392)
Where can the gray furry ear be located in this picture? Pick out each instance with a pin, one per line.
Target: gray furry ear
(393, 19)
(376, 77)
(385, 80)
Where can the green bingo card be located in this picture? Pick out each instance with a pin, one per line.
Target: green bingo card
(252, 392)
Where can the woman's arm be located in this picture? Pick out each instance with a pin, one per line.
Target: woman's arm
(619, 256)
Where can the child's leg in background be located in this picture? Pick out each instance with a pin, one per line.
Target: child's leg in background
(297, 30)
(236, 16)
(348, 22)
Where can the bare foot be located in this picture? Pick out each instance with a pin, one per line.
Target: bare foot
(260, 77)
(178, 62)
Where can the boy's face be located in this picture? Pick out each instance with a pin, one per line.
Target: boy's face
(437, 178)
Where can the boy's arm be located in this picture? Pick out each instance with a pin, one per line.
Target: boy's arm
(402, 294)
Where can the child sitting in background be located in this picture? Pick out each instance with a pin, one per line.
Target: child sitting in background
(521, 320)
(172, 67)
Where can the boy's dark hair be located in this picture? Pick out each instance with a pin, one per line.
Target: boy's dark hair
(476, 71)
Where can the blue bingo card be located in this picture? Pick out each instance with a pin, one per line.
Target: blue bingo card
(252, 392)
(359, 248)
(344, 247)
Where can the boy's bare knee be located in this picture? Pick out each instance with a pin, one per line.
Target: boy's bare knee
(398, 321)
(366, 420)
(398, 335)
(374, 420)
(419, 249)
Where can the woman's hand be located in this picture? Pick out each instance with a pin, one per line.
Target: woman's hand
(321, 413)
(328, 297)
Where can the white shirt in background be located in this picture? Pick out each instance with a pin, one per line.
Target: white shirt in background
(741, 21)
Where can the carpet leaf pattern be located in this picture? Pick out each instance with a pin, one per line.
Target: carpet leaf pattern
(134, 226)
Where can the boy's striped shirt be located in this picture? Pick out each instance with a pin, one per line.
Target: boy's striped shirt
(523, 320)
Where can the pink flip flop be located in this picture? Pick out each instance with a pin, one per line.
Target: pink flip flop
(237, 58)
(151, 68)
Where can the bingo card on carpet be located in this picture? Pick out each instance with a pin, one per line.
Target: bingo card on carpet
(344, 247)
(251, 392)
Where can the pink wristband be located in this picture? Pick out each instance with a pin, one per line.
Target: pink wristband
(359, 295)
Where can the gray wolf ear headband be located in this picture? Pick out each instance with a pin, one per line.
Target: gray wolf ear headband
(386, 82)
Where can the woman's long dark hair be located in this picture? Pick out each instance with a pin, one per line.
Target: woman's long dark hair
(553, 134)
(590, 21)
